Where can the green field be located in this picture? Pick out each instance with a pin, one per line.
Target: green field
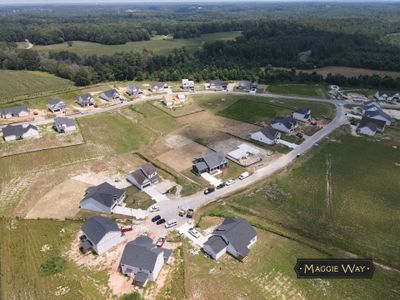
(299, 90)
(159, 46)
(22, 253)
(16, 84)
(345, 194)
(257, 110)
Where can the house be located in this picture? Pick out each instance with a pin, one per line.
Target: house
(132, 90)
(245, 155)
(247, 85)
(19, 132)
(102, 198)
(302, 114)
(267, 135)
(157, 87)
(209, 163)
(173, 100)
(387, 96)
(379, 115)
(187, 84)
(284, 124)
(100, 235)
(218, 85)
(370, 106)
(110, 95)
(370, 126)
(14, 111)
(144, 176)
(142, 260)
(64, 124)
(356, 97)
(85, 99)
(234, 236)
(56, 105)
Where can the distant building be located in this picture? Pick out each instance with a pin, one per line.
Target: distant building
(85, 99)
(110, 95)
(142, 260)
(100, 235)
(286, 125)
(218, 85)
(387, 96)
(157, 87)
(302, 114)
(245, 155)
(370, 126)
(64, 124)
(187, 84)
(56, 105)
(144, 176)
(247, 85)
(379, 115)
(132, 90)
(267, 135)
(19, 132)
(370, 106)
(173, 100)
(14, 111)
(209, 163)
(102, 198)
(234, 236)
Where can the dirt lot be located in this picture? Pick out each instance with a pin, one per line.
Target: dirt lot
(242, 130)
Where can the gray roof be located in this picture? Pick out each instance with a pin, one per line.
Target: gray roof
(14, 110)
(104, 193)
(148, 168)
(216, 243)
(372, 124)
(388, 93)
(139, 176)
(201, 166)
(269, 132)
(288, 122)
(133, 87)
(371, 102)
(109, 94)
(141, 253)
(214, 159)
(95, 228)
(372, 114)
(237, 232)
(63, 121)
(56, 102)
(303, 111)
(17, 130)
(84, 98)
(141, 277)
(218, 82)
(157, 85)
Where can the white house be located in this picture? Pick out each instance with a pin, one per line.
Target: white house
(218, 85)
(133, 90)
(234, 236)
(64, 124)
(14, 111)
(267, 135)
(387, 96)
(286, 125)
(143, 261)
(110, 95)
(19, 132)
(100, 235)
(56, 105)
(102, 198)
(157, 87)
(302, 114)
(144, 176)
(187, 84)
(85, 99)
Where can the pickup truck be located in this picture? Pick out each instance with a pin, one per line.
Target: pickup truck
(190, 213)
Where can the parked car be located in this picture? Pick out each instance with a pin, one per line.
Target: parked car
(300, 135)
(161, 221)
(230, 182)
(156, 218)
(190, 213)
(313, 122)
(194, 233)
(244, 175)
(182, 212)
(221, 185)
(160, 242)
(171, 223)
(126, 229)
(154, 208)
(209, 190)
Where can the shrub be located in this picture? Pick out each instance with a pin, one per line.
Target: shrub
(54, 265)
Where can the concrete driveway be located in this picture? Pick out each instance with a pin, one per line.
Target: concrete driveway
(287, 144)
(130, 212)
(155, 195)
(211, 179)
(184, 229)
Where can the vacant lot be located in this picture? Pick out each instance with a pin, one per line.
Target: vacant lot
(26, 244)
(159, 46)
(312, 90)
(16, 84)
(346, 194)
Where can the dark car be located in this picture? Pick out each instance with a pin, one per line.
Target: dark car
(209, 190)
(221, 185)
(156, 218)
(161, 221)
(190, 213)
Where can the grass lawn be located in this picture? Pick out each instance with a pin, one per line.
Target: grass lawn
(259, 110)
(232, 172)
(22, 253)
(190, 107)
(157, 45)
(15, 85)
(137, 199)
(312, 90)
(345, 194)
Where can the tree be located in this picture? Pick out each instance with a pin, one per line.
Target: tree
(81, 77)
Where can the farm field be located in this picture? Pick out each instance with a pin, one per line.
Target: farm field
(27, 244)
(351, 72)
(16, 84)
(267, 273)
(258, 110)
(339, 195)
(299, 90)
(157, 45)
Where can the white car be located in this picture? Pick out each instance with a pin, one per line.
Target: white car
(194, 233)
(154, 208)
(244, 175)
(230, 182)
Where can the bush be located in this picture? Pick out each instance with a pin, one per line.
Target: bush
(54, 265)
(132, 296)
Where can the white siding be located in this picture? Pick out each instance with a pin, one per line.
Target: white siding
(258, 136)
(299, 117)
(31, 133)
(110, 240)
(280, 127)
(91, 204)
(366, 131)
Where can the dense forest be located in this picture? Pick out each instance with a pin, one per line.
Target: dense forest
(316, 35)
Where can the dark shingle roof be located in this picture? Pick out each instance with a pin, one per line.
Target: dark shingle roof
(95, 228)
(372, 114)
(288, 122)
(109, 94)
(56, 102)
(303, 110)
(388, 93)
(218, 82)
(61, 121)
(158, 85)
(214, 159)
(139, 176)
(14, 110)
(372, 124)
(104, 193)
(216, 243)
(148, 168)
(17, 130)
(269, 132)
